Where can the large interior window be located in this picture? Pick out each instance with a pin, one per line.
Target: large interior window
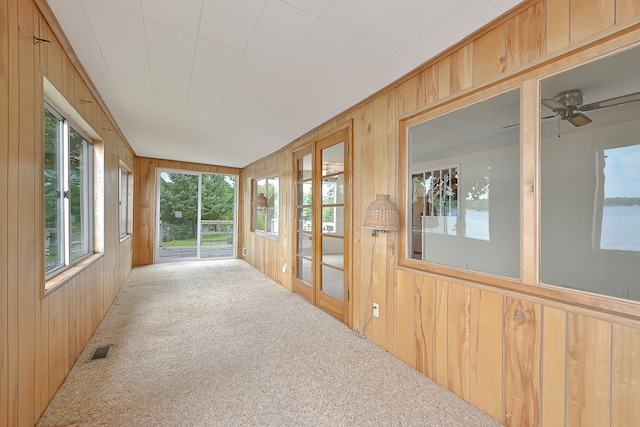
(125, 200)
(590, 177)
(68, 192)
(265, 215)
(464, 199)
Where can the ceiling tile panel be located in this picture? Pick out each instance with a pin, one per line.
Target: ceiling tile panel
(229, 23)
(314, 7)
(183, 15)
(170, 49)
(356, 16)
(128, 6)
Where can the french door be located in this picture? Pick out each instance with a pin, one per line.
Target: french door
(196, 216)
(322, 229)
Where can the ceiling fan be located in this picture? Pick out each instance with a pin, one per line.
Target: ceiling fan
(568, 105)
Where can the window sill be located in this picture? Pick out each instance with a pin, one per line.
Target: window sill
(125, 238)
(65, 276)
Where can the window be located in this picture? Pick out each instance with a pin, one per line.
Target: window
(125, 198)
(590, 179)
(68, 192)
(265, 212)
(464, 197)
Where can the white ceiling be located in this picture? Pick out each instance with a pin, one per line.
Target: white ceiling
(227, 82)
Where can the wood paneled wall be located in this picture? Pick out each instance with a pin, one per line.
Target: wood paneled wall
(146, 195)
(41, 336)
(525, 360)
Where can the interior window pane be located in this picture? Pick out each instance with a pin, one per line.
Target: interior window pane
(124, 201)
(333, 282)
(80, 195)
(272, 205)
(465, 200)
(53, 192)
(333, 220)
(590, 178)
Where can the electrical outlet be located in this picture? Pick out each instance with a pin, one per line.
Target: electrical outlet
(376, 310)
(244, 251)
(284, 268)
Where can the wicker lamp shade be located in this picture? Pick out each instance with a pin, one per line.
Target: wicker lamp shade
(260, 201)
(382, 214)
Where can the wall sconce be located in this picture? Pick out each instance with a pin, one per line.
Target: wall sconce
(260, 201)
(382, 215)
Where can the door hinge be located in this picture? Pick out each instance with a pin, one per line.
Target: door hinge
(348, 150)
(348, 295)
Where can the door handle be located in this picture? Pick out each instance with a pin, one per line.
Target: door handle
(310, 238)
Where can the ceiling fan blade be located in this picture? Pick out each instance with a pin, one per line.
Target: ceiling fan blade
(554, 105)
(578, 119)
(624, 99)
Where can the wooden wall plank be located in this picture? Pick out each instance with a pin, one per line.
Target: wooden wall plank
(405, 324)
(486, 380)
(56, 341)
(462, 68)
(442, 326)
(590, 17)
(391, 156)
(425, 325)
(626, 10)
(27, 223)
(458, 339)
(380, 257)
(5, 107)
(407, 96)
(588, 371)
(625, 387)
(489, 55)
(522, 362)
(444, 77)
(557, 27)
(367, 255)
(553, 363)
(525, 36)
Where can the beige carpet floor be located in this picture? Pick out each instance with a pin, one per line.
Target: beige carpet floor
(217, 343)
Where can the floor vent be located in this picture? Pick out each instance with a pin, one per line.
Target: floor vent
(100, 353)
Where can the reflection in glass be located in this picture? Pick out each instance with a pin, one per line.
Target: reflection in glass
(333, 159)
(465, 201)
(333, 251)
(333, 220)
(333, 190)
(80, 202)
(304, 193)
(304, 168)
(333, 282)
(305, 219)
(305, 244)
(304, 270)
(620, 229)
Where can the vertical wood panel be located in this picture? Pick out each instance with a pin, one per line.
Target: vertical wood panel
(367, 242)
(359, 294)
(486, 352)
(4, 223)
(407, 96)
(442, 325)
(56, 341)
(588, 371)
(391, 156)
(625, 387)
(458, 339)
(587, 17)
(381, 331)
(405, 334)
(489, 55)
(27, 223)
(444, 78)
(626, 10)
(553, 363)
(522, 360)
(557, 24)
(462, 68)
(425, 325)
(525, 36)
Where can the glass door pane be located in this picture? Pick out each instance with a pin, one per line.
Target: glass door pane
(304, 220)
(178, 216)
(332, 210)
(217, 222)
